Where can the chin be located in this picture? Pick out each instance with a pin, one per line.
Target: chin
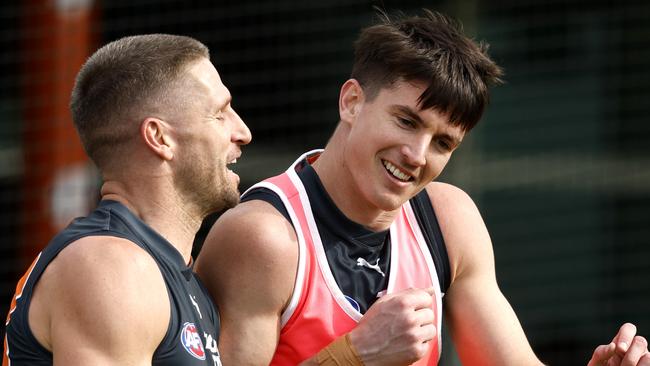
(230, 199)
(390, 203)
(220, 199)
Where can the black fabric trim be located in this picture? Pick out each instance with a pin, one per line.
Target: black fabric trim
(269, 196)
(428, 222)
(424, 214)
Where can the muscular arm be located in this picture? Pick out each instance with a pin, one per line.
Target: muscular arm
(102, 301)
(484, 327)
(248, 263)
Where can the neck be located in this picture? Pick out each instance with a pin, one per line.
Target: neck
(334, 173)
(167, 213)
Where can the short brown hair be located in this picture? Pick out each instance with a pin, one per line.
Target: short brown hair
(433, 50)
(123, 79)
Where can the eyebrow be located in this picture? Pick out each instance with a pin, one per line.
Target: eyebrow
(410, 113)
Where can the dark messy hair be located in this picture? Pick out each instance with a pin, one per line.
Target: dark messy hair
(430, 49)
(122, 80)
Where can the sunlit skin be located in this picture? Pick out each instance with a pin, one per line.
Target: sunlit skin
(383, 152)
(390, 131)
(210, 134)
(172, 173)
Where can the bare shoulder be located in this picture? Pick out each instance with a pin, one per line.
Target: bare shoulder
(455, 209)
(248, 264)
(251, 227)
(97, 287)
(251, 245)
(102, 260)
(449, 197)
(466, 237)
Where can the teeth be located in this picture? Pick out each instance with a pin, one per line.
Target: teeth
(396, 172)
(233, 161)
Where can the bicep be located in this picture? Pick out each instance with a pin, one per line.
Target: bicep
(108, 305)
(248, 338)
(248, 263)
(484, 326)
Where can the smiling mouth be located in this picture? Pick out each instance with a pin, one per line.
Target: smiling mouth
(396, 172)
(233, 160)
(230, 165)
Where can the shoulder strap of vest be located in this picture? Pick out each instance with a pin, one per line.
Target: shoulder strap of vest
(428, 222)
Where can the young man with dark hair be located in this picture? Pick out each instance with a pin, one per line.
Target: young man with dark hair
(117, 287)
(345, 258)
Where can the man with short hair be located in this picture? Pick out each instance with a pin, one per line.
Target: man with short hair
(117, 287)
(345, 258)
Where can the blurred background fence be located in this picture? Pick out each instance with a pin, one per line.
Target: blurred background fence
(559, 167)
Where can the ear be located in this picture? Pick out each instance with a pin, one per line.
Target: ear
(351, 100)
(156, 136)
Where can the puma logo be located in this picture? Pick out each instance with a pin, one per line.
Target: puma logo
(364, 263)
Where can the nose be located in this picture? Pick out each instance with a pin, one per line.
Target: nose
(415, 152)
(241, 135)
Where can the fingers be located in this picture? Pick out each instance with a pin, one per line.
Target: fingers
(624, 338)
(431, 291)
(602, 354)
(424, 301)
(417, 341)
(626, 349)
(637, 349)
(645, 360)
(424, 317)
(427, 333)
(422, 298)
(397, 328)
(412, 298)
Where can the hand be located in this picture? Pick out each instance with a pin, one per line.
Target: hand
(626, 349)
(396, 329)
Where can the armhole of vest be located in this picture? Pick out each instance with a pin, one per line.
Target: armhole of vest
(168, 341)
(269, 192)
(427, 220)
(21, 318)
(269, 196)
(42, 261)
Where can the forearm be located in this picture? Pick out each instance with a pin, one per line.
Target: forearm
(485, 329)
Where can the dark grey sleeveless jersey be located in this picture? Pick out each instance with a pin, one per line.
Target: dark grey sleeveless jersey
(193, 330)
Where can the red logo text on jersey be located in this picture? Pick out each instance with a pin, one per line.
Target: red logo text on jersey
(191, 341)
